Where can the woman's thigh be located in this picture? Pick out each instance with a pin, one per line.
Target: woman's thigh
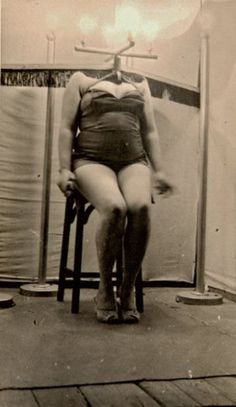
(135, 184)
(99, 185)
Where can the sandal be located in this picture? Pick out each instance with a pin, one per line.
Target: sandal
(130, 316)
(107, 316)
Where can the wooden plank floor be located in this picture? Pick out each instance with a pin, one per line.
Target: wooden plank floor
(220, 391)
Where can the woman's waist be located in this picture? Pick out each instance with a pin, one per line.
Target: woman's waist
(110, 122)
(114, 144)
(107, 136)
(108, 133)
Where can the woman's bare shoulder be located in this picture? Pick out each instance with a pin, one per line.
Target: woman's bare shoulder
(80, 80)
(77, 77)
(143, 86)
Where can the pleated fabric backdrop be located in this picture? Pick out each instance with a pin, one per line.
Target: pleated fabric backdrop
(171, 253)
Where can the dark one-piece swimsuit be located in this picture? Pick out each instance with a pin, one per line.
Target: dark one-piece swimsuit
(109, 130)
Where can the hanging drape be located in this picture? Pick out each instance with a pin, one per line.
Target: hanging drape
(171, 253)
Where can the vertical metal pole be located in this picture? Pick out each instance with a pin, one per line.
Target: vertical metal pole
(43, 251)
(41, 288)
(51, 48)
(202, 209)
(201, 296)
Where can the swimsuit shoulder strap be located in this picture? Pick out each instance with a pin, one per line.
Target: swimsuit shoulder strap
(131, 81)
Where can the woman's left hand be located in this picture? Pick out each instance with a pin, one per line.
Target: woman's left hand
(161, 184)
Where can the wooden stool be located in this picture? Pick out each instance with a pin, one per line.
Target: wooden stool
(78, 208)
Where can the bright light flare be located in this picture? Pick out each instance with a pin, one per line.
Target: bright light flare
(114, 36)
(167, 19)
(127, 24)
(87, 24)
(150, 30)
(175, 17)
(127, 19)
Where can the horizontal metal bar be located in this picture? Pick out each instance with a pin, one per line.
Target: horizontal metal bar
(145, 56)
(93, 50)
(112, 53)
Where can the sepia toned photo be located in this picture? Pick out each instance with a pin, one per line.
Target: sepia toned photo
(117, 203)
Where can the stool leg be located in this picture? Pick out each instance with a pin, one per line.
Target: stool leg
(139, 292)
(77, 259)
(64, 249)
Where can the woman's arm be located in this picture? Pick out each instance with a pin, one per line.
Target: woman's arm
(70, 105)
(151, 143)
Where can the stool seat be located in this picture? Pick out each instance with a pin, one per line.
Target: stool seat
(78, 209)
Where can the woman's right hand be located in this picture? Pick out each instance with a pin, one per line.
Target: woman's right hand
(161, 184)
(66, 182)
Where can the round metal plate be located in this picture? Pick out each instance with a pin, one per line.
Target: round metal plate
(39, 290)
(197, 298)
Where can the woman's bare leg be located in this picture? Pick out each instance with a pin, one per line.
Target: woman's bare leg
(135, 185)
(98, 184)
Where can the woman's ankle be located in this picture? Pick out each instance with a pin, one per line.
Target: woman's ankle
(127, 298)
(105, 299)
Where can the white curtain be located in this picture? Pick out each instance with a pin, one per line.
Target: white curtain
(171, 253)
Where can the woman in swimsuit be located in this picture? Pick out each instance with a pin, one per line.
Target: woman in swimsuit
(116, 137)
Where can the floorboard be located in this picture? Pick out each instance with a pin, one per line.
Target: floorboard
(226, 385)
(127, 395)
(63, 397)
(17, 398)
(168, 395)
(203, 393)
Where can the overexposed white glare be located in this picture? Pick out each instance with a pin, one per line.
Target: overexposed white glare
(175, 17)
(87, 24)
(128, 18)
(113, 34)
(166, 19)
(150, 29)
(127, 22)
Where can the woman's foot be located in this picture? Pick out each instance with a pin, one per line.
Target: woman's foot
(130, 316)
(106, 309)
(107, 316)
(128, 310)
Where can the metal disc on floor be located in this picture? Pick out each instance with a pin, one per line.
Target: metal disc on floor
(6, 300)
(39, 290)
(197, 298)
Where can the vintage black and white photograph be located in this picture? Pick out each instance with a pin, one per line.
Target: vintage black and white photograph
(118, 203)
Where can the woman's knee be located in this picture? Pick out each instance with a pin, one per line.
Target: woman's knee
(114, 210)
(139, 209)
